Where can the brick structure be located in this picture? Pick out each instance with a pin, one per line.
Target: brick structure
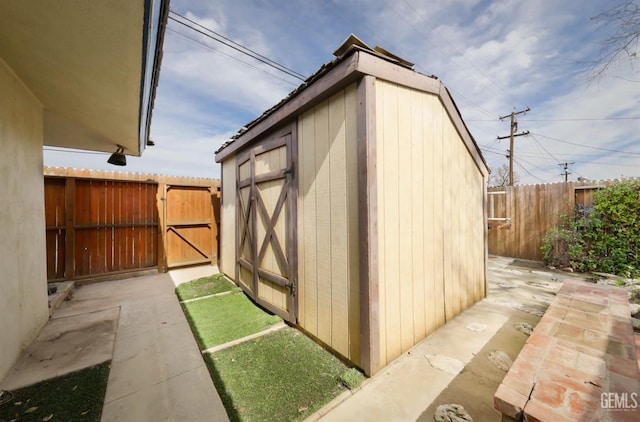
(580, 363)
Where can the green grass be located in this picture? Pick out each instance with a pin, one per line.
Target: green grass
(204, 286)
(78, 396)
(282, 376)
(220, 319)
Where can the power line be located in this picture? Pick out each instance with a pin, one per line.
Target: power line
(577, 119)
(527, 171)
(235, 59)
(584, 119)
(376, 34)
(460, 53)
(468, 101)
(545, 150)
(587, 146)
(209, 33)
(444, 53)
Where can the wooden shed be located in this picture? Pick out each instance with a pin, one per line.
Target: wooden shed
(356, 207)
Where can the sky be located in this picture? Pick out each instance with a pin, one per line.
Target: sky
(494, 56)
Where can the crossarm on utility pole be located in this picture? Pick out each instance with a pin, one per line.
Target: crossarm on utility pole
(512, 135)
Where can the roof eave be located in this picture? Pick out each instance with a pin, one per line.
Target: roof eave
(156, 15)
(354, 64)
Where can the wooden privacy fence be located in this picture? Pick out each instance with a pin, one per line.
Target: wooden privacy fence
(103, 223)
(519, 216)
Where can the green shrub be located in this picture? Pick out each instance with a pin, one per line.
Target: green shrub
(563, 246)
(613, 234)
(604, 238)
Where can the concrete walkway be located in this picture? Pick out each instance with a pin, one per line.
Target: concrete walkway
(157, 371)
(464, 361)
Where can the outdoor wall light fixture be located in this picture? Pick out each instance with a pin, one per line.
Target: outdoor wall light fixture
(118, 158)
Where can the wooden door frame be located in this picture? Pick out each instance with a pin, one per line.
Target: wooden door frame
(248, 214)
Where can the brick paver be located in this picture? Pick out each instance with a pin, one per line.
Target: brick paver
(582, 361)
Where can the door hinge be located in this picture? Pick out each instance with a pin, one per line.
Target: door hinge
(292, 285)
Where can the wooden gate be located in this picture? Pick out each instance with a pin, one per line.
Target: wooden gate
(101, 223)
(266, 191)
(97, 227)
(189, 225)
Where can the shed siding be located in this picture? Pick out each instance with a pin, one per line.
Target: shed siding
(430, 219)
(328, 224)
(228, 218)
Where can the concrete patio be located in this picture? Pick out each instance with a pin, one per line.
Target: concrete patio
(158, 373)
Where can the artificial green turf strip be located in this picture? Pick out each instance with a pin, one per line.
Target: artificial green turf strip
(282, 376)
(77, 396)
(220, 319)
(204, 286)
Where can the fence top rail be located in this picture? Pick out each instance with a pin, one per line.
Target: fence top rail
(129, 177)
(577, 184)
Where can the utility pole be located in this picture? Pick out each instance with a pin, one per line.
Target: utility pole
(566, 172)
(512, 134)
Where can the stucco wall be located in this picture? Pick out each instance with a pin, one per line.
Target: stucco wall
(23, 296)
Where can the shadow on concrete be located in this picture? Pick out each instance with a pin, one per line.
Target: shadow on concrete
(475, 386)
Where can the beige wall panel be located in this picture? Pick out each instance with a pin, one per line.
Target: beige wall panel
(23, 300)
(466, 261)
(471, 217)
(353, 234)
(432, 252)
(228, 218)
(449, 222)
(406, 278)
(458, 259)
(246, 278)
(427, 237)
(328, 231)
(323, 220)
(391, 224)
(382, 190)
(439, 228)
(466, 264)
(270, 191)
(339, 225)
(419, 185)
(307, 209)
(245, 169)
(273, 293)
(246, 252)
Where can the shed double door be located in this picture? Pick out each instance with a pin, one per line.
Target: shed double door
(266, 193)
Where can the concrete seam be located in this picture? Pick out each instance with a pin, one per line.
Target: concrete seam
(214, 349)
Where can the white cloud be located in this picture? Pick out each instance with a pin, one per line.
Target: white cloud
(492, 55)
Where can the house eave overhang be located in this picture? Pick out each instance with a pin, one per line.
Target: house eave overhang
(94, 67)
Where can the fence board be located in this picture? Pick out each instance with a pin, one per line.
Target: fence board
(101, 222)
(519, 218)
(55, 226)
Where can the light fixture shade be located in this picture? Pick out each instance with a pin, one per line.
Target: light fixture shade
(118, 158)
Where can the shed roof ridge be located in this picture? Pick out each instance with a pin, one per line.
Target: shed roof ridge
(349, 47)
